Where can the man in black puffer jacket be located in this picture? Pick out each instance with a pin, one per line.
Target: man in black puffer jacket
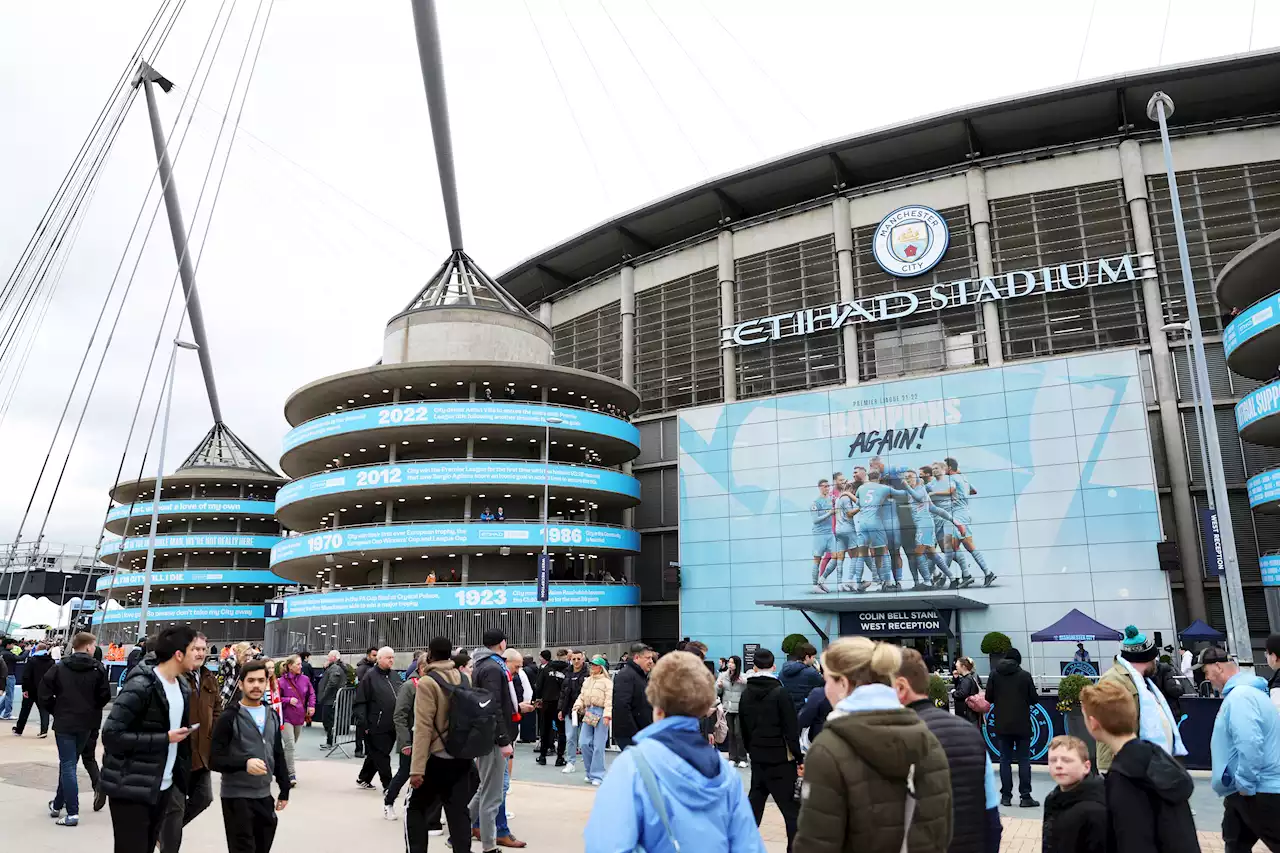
(569, 692)
(631, 709)
(147, 759)
(974, 827)
(74, 692)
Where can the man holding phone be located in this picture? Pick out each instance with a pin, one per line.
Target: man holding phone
(147, 760)
(248, 751)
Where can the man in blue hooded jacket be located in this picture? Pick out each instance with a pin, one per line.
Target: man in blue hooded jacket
(1245, 749)
(671, 771)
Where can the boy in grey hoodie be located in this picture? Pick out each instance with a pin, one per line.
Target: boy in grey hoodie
(247, 751)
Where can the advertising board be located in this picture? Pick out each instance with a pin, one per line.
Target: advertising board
(1019, 492)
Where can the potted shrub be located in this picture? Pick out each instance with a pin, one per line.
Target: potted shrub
(994, 645)
(790, 642)
(1069, 704)
(939, 692)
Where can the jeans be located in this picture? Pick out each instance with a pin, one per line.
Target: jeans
(289, 736)
(487, 802)
(6, 701)
(70, 745)
(89, 757)
(445, 785)
(594, 740)
(571, 733)
(1015, 747)
(26, 712)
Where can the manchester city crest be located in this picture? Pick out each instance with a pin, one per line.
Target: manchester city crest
(910, 241)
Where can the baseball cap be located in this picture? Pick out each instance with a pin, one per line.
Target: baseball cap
(1213, 654)
(492, 637)
(599, 660)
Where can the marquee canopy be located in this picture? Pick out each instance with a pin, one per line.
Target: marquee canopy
(1075, 627)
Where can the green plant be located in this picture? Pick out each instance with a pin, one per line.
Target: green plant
(790, 642)
(996, 643)
(351, 675)
(1166, 659)
(938, 690)
(1069, 691)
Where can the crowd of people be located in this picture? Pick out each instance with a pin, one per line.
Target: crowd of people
(848, 744)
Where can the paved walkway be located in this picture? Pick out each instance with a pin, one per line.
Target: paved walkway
(549, 808)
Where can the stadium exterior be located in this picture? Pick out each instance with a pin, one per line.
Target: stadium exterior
(988, 290)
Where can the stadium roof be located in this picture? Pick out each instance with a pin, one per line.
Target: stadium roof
(1237, 89)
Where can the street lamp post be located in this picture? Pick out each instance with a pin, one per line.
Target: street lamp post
(1197, 403)
(155, 498)
(1159, 108)
(546, 524)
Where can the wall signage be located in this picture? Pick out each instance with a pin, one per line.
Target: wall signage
(440, 597)
(937, 297)
(243, 577)
(1257, 405)
(897, 623)
(910, 241)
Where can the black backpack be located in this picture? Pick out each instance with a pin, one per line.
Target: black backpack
(473, 719)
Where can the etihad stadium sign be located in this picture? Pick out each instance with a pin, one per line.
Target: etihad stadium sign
(1061, 278)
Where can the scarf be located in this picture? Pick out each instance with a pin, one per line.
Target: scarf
(511, 688)
(1154, 714)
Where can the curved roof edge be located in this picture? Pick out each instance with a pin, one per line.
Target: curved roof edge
(1229, 88)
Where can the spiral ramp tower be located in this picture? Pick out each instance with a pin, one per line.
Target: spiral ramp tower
(215, 530)
(1250, 285)
(425, 486)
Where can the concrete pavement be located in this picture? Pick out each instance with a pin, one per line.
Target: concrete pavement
(550, 808)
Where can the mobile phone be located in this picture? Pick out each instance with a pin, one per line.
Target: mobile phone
(193, 727)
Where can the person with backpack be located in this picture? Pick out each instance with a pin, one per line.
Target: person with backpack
(672, 790)
(771, 734)
(490, 674)
(247, 749)
(967, 692)
(453, 723)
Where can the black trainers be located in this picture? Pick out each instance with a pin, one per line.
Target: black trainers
(541, 759)
(560, 762)
(362, 784)
(1006, 801)
(1028, 803)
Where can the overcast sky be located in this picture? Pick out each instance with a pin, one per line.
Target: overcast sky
(565, 112)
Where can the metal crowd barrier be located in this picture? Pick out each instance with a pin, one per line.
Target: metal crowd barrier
(343, 732)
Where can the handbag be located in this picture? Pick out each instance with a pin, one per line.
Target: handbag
(721, 730)
(977, 702)
(655, 796)
(592, 716)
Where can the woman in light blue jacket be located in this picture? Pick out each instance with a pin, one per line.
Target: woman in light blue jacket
(672, 790)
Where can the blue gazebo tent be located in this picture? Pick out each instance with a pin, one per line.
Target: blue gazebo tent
(1076, 627)
(1198, 632)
